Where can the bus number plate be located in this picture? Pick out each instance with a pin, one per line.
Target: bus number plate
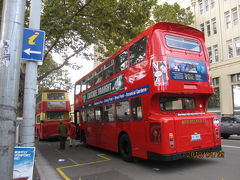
(196, 137)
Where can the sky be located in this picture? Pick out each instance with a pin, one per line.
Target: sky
(87, 66)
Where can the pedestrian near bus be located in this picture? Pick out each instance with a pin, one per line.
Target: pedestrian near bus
(63, 133)
(72, 134)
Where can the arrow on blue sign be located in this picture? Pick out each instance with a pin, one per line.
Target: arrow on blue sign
(33, 44)
(28, 51)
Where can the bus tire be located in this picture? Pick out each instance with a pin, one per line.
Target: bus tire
(225, 136)
(125, 148)
(39, 138)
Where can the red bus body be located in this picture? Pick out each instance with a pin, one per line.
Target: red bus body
(172, 86)
(52, 106)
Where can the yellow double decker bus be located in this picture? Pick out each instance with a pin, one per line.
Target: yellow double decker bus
(52, 106)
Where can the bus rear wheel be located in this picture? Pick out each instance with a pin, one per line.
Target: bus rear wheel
(125, 148)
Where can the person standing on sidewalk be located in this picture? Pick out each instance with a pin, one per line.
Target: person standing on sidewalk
(72, 134)
(63, 133)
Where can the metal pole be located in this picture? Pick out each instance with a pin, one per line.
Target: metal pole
(10, 51)
(27, 134)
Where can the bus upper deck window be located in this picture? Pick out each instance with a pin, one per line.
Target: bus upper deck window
(138, 51)
(182, 43)
(56, 96)
(121, 61)
(77, 89)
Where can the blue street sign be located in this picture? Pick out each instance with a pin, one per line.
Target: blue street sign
(33, 44)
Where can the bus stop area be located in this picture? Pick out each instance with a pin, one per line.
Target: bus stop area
(89, 163)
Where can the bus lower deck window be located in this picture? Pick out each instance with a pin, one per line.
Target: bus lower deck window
(177, 103)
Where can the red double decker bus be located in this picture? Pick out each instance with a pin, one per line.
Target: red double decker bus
(149, 99)
(52, 106)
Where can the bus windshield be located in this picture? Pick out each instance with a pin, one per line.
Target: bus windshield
(177, 103)
(182, 43)
(56, 96)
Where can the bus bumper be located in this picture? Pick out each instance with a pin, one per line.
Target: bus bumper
(176, 156)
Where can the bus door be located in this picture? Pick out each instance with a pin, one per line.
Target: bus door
(108, 130)
(98, 125)
(89, 116)
(138, 131)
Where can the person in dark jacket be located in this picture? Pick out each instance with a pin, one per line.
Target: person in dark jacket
(63, 133)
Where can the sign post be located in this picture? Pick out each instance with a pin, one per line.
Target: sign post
(33, 52)
(13, 13)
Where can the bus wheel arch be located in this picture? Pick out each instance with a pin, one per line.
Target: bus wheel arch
(125, 147)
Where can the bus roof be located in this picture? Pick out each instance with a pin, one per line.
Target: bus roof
(167, 26)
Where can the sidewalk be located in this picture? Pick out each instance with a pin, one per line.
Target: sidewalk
(43, 170)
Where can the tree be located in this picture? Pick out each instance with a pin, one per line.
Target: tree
(58, 79)
(72, 25)
(172, 13)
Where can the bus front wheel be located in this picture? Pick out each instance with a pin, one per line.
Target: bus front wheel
(125, 148)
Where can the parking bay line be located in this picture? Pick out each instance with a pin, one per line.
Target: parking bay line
(59, 170)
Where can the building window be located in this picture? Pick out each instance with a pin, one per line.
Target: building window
(214, 100)
(212, 3)
(208, 28)
(230, 49)
(206, 5)
(237, 46)
(214, 26)
(210, 53)
(201, 7)
(215, 50)
(202, 27)
(234, 16)
(227, 19)
(235, 78)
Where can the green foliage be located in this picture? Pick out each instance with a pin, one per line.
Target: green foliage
(77, 23)
(58, 79)
(172, 13)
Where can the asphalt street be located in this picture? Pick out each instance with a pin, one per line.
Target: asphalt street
(89, 163)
